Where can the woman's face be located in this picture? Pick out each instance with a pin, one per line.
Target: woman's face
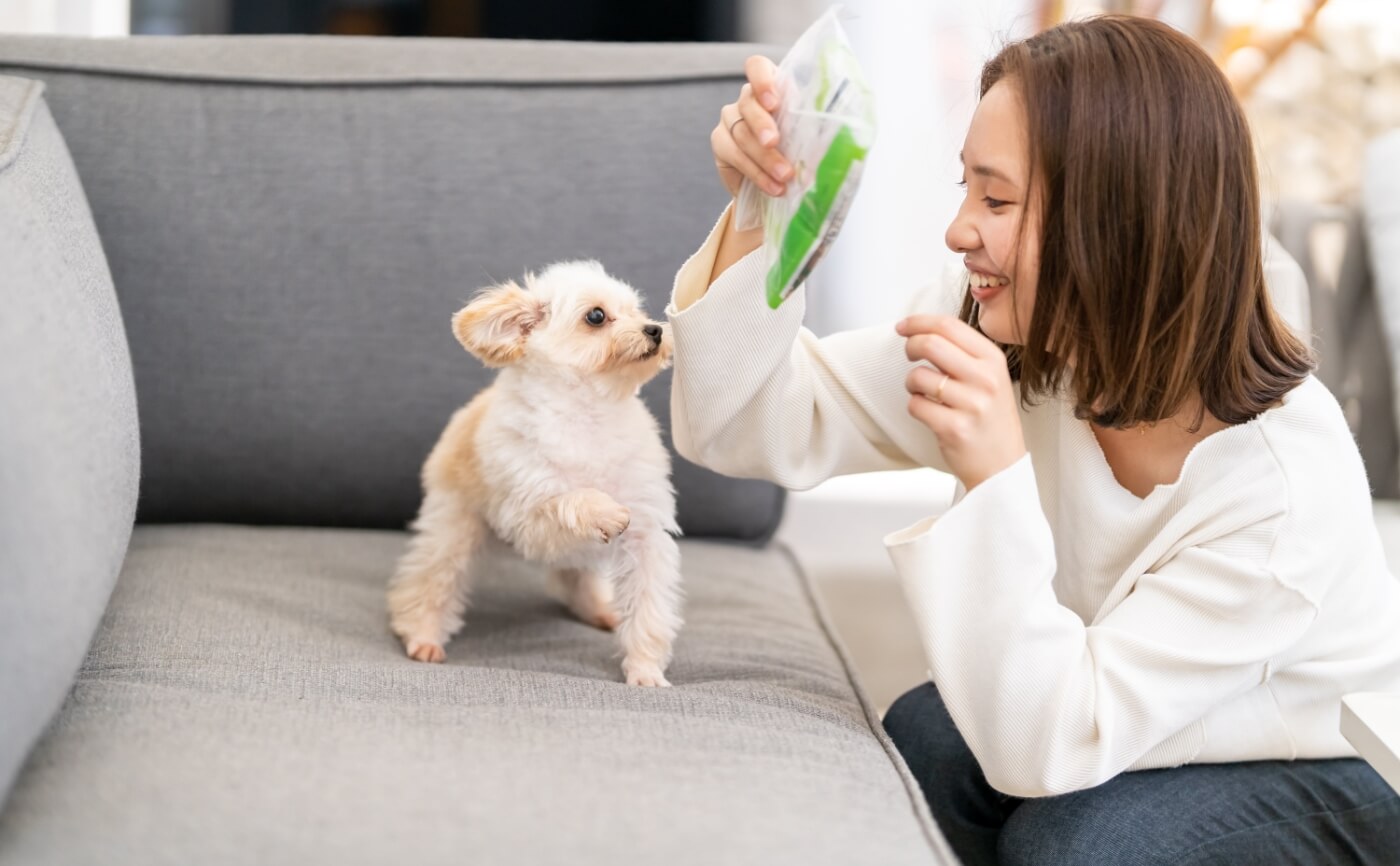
(996, 172)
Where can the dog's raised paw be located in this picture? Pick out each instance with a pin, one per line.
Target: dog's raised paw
(426, 652)
(612, 521)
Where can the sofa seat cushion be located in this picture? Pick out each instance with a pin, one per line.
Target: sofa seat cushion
(244, 702)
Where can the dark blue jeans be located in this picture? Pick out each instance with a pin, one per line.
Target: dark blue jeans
(1266, 813)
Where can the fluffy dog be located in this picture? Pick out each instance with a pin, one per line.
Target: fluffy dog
(559, 458)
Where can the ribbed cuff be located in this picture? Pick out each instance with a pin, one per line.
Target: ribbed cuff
(979, 562)
(729, 343)
(1014, 484)
(693, 279)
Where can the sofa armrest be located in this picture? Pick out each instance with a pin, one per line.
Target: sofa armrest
(69, 451)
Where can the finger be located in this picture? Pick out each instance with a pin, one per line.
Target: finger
(769, 158)
(763, 76)
(919, 323)
(758, 119)
(944, 354)
(727, 152)
(935, 416)
(930, 383)
(956, 330)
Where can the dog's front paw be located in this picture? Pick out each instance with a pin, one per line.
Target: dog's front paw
(611, 520)
(648, 675)
(592, 515)
(422, 651)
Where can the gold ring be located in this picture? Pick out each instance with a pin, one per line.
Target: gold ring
(937, 396)
(734, 124)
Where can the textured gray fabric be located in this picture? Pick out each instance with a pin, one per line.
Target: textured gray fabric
(296, 59)
(288, 257)
(243, 702)
(68, 444)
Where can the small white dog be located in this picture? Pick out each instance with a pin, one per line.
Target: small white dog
(560, 458)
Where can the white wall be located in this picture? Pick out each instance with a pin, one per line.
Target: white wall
(68, 17)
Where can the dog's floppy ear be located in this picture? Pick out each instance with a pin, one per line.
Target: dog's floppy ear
(495, 325)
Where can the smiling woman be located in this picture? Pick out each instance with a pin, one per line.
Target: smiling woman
(1162, 552)
(990, 228)
(1193, 247)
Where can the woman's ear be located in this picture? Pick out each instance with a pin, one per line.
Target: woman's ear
(495, 325)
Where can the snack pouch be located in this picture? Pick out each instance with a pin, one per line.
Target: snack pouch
(826, 125)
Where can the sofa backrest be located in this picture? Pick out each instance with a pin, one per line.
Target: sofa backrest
(292, 221)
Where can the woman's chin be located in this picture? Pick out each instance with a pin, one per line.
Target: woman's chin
(995, 328)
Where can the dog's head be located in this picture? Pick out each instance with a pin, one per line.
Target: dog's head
(571, 317)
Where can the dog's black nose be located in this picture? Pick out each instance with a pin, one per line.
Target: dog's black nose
(654, 332)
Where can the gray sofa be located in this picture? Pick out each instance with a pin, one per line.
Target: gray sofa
(230, 264)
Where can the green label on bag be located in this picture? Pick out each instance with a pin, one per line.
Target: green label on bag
(807, 224)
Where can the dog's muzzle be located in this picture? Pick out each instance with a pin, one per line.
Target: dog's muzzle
(653, 333)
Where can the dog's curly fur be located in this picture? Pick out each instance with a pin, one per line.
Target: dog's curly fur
(559, 458)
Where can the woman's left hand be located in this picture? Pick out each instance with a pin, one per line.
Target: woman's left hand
(966, 398)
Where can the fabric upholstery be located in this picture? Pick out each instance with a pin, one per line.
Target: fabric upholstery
(69, 455)
(244, 702)
(291, 223)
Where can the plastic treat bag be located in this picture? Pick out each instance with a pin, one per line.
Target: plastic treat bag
(826, 125)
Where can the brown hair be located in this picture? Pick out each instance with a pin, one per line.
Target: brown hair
(1151, 260)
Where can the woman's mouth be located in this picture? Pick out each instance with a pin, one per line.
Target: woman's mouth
(984, 286)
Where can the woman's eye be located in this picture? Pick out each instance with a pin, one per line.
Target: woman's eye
(596, 317)
(994, 203)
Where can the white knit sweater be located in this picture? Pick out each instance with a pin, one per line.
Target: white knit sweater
(1074, 630)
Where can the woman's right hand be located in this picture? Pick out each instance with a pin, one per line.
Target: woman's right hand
(745, 142)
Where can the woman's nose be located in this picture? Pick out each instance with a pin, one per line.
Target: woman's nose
(961, 237)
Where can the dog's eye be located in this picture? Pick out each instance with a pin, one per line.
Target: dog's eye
(596, 317)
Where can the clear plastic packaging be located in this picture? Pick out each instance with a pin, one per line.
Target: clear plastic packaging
(826, 125)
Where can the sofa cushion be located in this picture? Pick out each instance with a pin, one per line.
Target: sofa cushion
(68, 442)
(244, 702)
(291, 223)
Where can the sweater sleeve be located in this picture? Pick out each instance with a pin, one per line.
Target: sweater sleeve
(1047, 704)
(757, 395)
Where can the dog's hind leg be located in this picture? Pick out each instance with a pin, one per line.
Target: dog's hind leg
(428, 593)
(589, 594)
(648, 603)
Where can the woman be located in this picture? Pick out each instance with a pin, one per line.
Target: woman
(1162, 557)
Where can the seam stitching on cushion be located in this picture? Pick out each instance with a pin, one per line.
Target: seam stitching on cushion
(937, 844)
(15, 137)
(357, 83)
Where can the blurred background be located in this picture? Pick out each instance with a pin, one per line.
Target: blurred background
(1319, 79)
